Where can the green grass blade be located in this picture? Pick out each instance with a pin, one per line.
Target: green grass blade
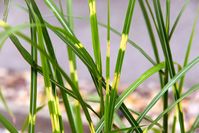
(168, 56)
(26, 122)
(80, 99)
(107, 98)
(4, 36)
(33, 92)
(27, 57)
(168, 4)
(95, 33)
(84, 106)
(155, 49)
(186, 94)
(8, 125)
(188, 50)
(118, 121)
(132, 44)
(96, 48)
(54, 114)
(178, 18)
(61, 7)
(52, 101)
(119, 62)
(125, 129)
(57, 73)
(129, 40)
(29, 60)
(147, 118)
(150, 30)
(165, 97)
(70, 13)
(81, 53)
(131, 88)
(135, 84)
(73, 71)
(167, 86)
(152, 15)
(174, 124)
(58, 14)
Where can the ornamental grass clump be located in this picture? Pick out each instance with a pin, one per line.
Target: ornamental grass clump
(42, 60)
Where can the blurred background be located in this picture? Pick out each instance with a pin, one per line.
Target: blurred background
(14, 71)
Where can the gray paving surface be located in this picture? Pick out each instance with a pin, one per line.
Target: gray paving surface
(134, 63)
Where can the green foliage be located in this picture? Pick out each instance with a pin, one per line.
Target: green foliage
(108, 98)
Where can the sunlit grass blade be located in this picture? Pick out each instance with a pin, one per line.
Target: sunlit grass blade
(61, 87)
(7, 124)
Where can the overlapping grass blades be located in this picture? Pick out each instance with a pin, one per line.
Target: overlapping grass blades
(51, 51)
(55, 76)
(72, 66)
(119, 62)
(33, 93)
